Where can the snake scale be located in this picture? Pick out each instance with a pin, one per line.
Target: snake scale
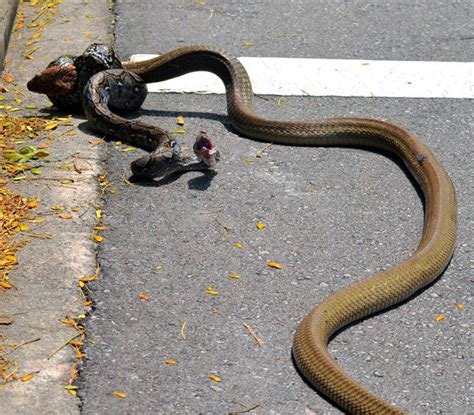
(357, 301)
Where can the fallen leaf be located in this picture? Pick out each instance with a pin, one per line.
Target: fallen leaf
(276, 265)
(97, 238)
(143, 296)
(261, 226)
(26, 378)
(440, 317)
(215, 378)
(235, 276)
(170, 362)
(120, 394)
(211, 291)
(65, 216)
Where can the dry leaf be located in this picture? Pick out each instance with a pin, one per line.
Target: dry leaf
(97, 238)
(235, 276)
(120, 394)
(276, 265)
(211, 291)
(215, 378)
(26, 378)
(143, 296)
(64, 216)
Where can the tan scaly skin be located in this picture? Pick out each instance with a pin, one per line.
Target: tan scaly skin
(381, 290)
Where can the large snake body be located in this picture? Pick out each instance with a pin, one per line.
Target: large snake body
(358, 300)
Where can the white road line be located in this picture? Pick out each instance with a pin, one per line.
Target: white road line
(338, 77)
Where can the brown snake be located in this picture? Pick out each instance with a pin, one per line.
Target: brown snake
(364, 298)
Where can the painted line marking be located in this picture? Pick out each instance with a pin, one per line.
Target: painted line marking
(337, 77)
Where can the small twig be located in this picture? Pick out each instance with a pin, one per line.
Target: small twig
(254, 335)
(183, 330)
(247, 408)
(228, 229)
(25, 343)
(260, 153)
(62, 346)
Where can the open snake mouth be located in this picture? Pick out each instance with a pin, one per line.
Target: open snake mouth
(206, 150)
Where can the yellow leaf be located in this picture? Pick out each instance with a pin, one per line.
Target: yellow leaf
(71, 133)
(170, 362)
(120, 394)
(88, 279)
(100, 228)
(236, 276)
(98, 213)
(97, 238)
(276, 265)
(118, 143)
(440, 317)
(65, 216)
(8, 78)
(178, 132)
(75, 209)
(249, 161)
(211, 291)
(215, 378)
(5, 284)
(32, 204)
(129, 149)
(460, 306)
(26, 378)
(260, 226)
(51, 125)
(58, 207)
(24, 227)
(248, 43)
(73, 392)
(238, 245)
(180, 120)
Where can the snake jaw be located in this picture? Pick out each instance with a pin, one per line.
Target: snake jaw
(54, 81)
(206, 150)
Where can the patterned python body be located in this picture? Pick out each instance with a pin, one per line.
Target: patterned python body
(349, 304)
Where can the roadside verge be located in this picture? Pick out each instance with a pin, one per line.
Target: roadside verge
(46, 294)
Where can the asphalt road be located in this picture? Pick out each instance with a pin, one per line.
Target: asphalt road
(333, 216)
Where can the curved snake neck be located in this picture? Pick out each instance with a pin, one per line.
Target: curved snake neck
(357, 300)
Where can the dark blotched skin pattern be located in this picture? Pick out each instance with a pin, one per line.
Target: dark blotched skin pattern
(359, 300)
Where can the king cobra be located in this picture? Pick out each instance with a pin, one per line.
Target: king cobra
(355, 302)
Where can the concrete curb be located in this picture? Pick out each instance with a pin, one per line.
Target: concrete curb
(7, 17)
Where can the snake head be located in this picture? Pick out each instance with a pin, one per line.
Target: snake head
(54, 81)
(206, 150)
